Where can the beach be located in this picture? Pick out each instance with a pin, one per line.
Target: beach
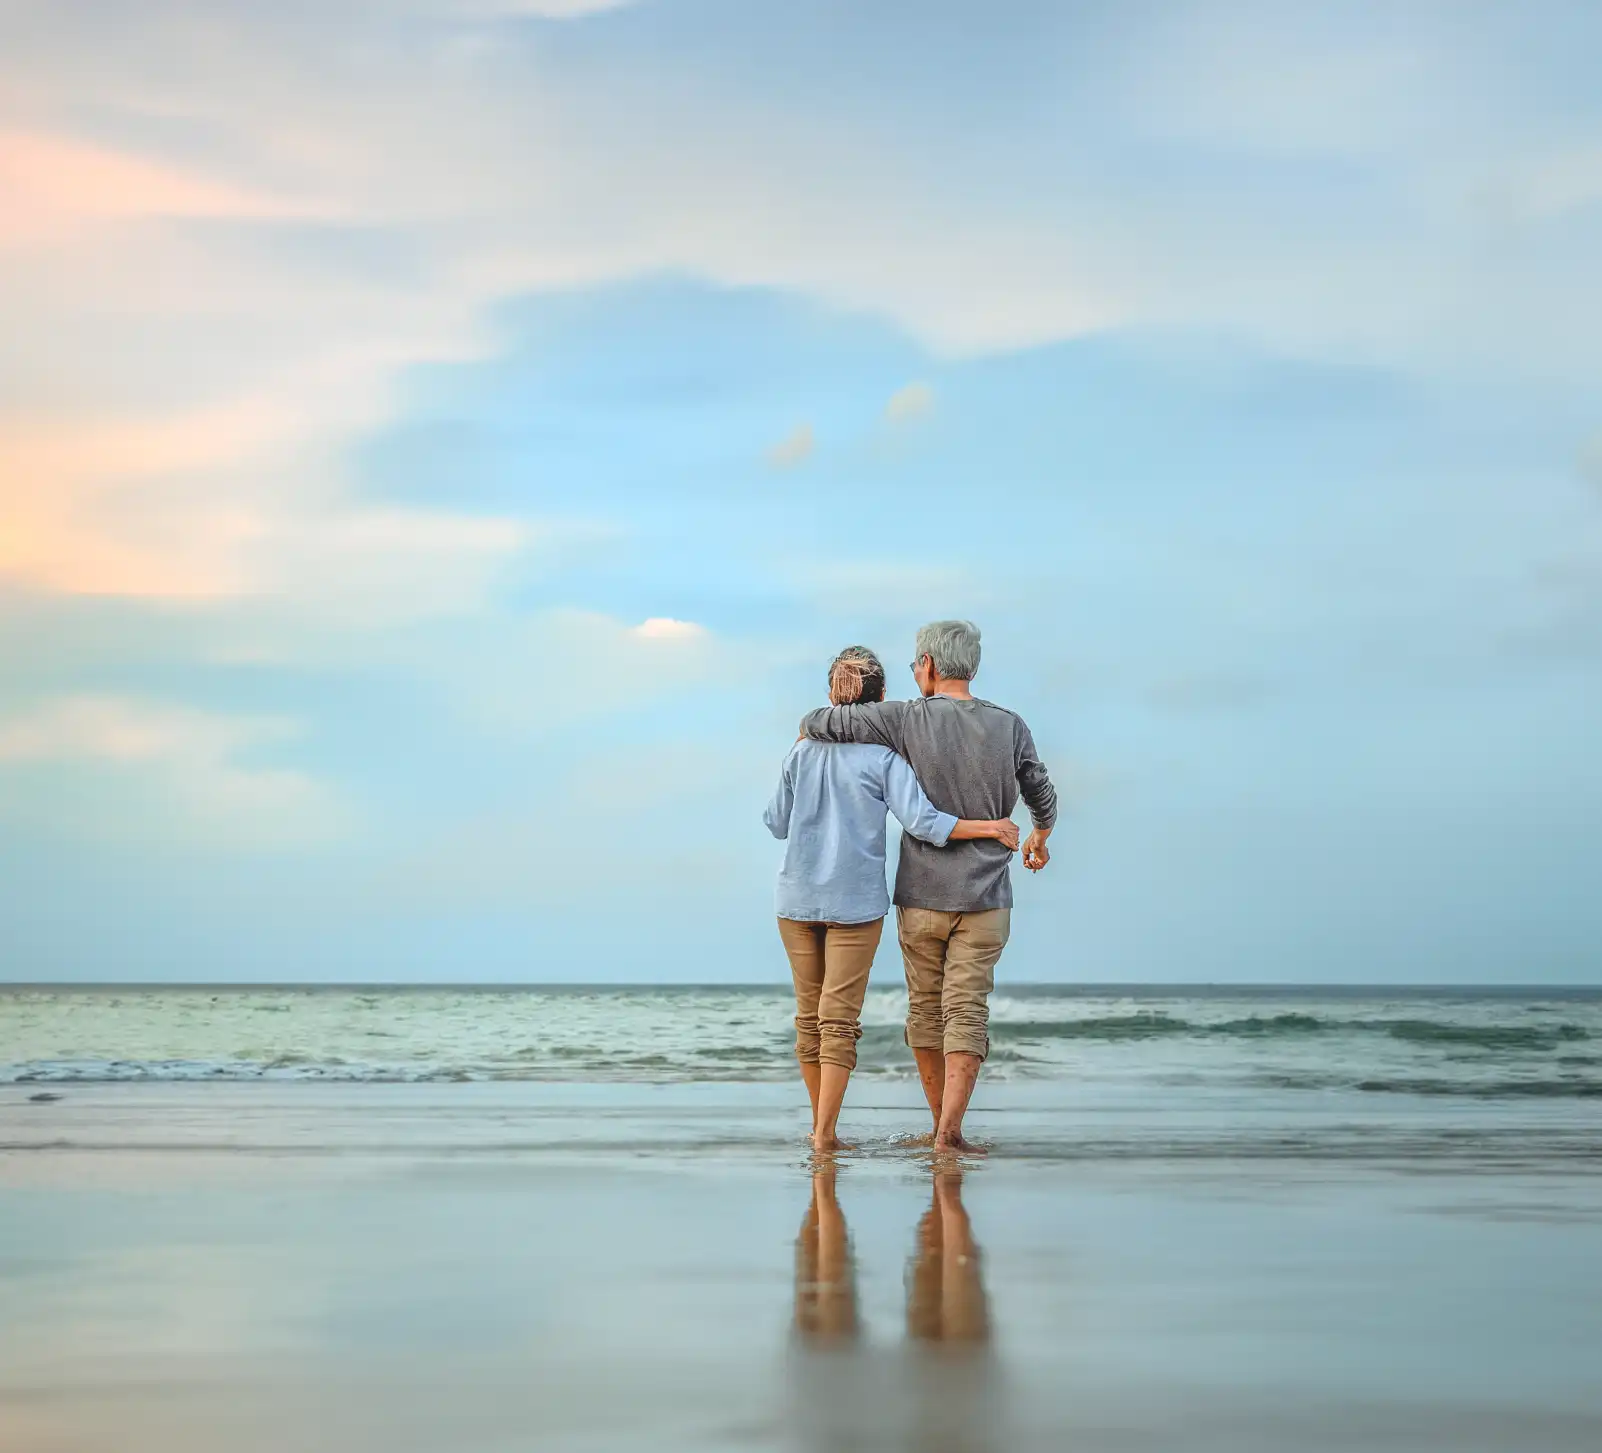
(616, 1265)
(575, 574)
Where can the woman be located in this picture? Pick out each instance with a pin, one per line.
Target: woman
(830, 807)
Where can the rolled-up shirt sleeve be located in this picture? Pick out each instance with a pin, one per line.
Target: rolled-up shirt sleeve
(905, 797)
(777, 816)
(1034, 782)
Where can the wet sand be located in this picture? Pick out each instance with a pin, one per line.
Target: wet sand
(567, 1267)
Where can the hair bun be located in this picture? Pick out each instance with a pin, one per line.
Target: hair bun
(855, 675)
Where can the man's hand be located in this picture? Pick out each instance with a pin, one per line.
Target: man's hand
(1035, 852)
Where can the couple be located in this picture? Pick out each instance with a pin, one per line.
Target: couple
(857, 759)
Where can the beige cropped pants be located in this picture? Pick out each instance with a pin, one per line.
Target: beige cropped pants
(829, 963)
(950, 959)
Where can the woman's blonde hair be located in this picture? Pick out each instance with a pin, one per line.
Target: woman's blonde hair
(855, 675)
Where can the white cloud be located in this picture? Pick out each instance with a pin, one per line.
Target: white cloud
(665, 628)
(911, 402)
(152, 769)
(795, 448)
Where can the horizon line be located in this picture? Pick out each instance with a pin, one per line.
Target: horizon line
(1076, 984)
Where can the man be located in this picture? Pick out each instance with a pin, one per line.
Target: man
(953, 904)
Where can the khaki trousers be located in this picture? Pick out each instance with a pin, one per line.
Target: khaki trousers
(829, 963)
(950, 959)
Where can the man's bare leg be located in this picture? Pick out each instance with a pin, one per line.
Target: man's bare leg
(832, 1082)
(932, 1074)
(962, 1074)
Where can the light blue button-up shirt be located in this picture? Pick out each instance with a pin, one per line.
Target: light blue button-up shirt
(829, 809)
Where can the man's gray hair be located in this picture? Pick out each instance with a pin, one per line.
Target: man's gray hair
(953, 646)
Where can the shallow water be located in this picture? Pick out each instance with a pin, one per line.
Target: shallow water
(499, 1266)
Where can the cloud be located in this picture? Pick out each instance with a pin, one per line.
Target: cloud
(911, 402)
(225, 501)
(53, 184)
(371, 567)
(665, 628)
(795, 448)
(79, 728)
(73, 516)
(147, 769)
(633, 163)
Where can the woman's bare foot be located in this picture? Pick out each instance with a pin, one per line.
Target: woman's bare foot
(956, 1145)
(828, 1144)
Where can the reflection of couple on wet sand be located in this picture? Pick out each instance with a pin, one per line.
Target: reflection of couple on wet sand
(945, 1284)
(951, 767)
(940, 1393)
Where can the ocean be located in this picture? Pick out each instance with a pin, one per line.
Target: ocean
(1485, 1045)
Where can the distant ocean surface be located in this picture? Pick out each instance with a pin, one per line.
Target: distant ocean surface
(1461, 1043)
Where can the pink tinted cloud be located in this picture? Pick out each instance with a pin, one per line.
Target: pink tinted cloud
(72, 517)
(53, 184)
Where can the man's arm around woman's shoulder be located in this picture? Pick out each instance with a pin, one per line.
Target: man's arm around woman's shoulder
(876, 724)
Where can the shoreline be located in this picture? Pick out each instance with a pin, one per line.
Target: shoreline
(1045, 1126)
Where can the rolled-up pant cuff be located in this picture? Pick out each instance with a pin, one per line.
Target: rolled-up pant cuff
(962, 1027)
(829, 1041)
(963, 1041)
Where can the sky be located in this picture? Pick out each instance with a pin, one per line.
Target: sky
(443, 442)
